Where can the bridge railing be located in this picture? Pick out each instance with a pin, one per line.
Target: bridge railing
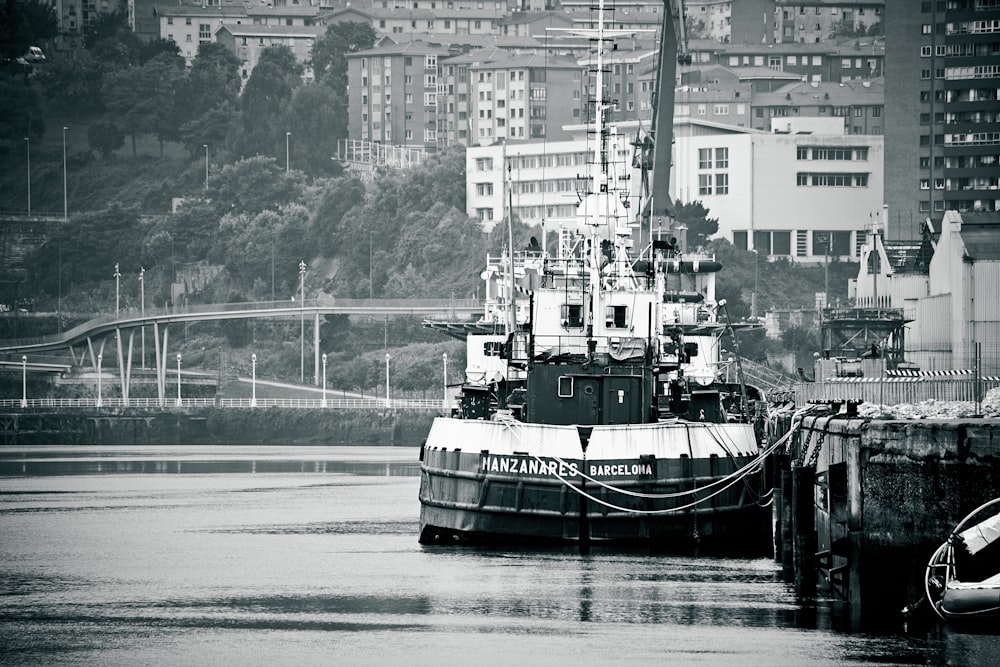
(132, 316)
(246, 403)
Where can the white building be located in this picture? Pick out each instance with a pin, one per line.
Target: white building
(785, 195)
(800, 196)
(546, 178)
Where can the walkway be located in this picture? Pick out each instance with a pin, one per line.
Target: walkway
(86, 342)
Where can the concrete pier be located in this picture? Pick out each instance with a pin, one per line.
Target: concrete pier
(879, 497)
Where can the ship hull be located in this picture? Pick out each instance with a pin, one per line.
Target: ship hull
(673, 487)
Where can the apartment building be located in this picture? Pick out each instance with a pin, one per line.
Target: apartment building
(811, 62)
(858, 106)
(710, 19)
(813, 21)
(393, 94)
(455, 93)
(943, 126)
(190, 25)
(545, 177)
(524, 97)
(248, 41)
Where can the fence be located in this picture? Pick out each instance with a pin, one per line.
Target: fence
(895, 390)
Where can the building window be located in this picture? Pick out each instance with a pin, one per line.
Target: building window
(704, 158)
(704, 184)
(836, 244)
(722, 158)
(484, 213)
(722, 184)
(484, 189)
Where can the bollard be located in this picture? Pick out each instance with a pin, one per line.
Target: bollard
(804, 530)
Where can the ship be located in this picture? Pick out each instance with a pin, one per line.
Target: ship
(599, 407)
(962, 581)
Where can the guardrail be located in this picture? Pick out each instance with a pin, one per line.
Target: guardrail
(894, 390)
(243, 403)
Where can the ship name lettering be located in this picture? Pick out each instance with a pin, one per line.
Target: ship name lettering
(520, 465)
(619, 469)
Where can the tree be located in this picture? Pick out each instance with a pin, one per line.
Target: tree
(253, 185)
(20, 111)
(700, 226)
(73, 83)
(214, 79)
(267, 91)
(329, 60)
(319, 117)
(149, 50)
(145, 99)
(24, 23)
(105, 137)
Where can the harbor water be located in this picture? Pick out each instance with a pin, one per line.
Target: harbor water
(309, 555)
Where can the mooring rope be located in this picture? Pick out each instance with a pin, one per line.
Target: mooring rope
(733, 479)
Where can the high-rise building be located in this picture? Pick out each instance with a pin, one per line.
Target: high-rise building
(942, 127)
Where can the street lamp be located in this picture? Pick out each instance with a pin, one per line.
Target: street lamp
(253, 380)
(65, 198)
(387, 379)
(24, 381)
(178, 379)
(205, 146)
(142, 312)
(99, 359)
(118, 308)
(444, 358)
(323, 403)
(28, 153)
(287, 137)
(302, 321)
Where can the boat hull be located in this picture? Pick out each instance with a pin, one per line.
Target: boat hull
(672, 487)
(962, 600)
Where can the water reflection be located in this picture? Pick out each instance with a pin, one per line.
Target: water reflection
(184, 556)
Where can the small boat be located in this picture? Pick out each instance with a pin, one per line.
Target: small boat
(597, 406)
(963, 575)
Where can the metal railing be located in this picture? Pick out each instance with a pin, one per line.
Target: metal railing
(895, 390)
(295, 403)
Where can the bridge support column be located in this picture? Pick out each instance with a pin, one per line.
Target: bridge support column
(161, 363)
(90, 350)
(125, 364)
(316, 350)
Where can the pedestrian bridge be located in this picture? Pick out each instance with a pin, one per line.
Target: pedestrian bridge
(86, 342)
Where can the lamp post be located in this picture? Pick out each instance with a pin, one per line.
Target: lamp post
(27, 150)
(205, 146)
(253, 380)
(387, 379)
(178, 379)
(142, 312)
(24, 381)
(99, 359)
(288, 136)
(65, 198)
(323, 402)
(302, 321)
(444, 358)
(118, 307)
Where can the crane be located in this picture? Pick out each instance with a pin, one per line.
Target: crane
(653, 150)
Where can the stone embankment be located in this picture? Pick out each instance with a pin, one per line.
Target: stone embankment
(266, 426)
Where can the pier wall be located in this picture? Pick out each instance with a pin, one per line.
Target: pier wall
(263, 426)
(884, 495)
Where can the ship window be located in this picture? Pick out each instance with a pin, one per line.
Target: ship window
(572, 315)
(616, 316)
(565, 386)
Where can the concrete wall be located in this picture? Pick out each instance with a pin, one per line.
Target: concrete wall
(886, 494)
